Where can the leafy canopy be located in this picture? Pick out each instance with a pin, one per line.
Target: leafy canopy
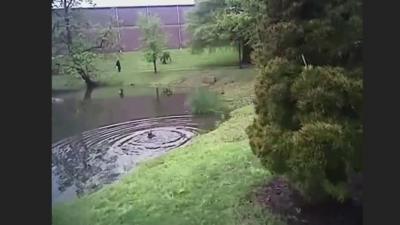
(153, 38)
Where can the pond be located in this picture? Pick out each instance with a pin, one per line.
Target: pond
(98, 136)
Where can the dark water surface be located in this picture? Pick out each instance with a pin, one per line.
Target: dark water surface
(99, 136)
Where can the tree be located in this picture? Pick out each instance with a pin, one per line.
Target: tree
(81, 60)
(309, 93)
(215, 23)
(67, 5)
(83, 47)
(153, 38)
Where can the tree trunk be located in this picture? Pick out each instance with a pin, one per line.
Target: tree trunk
(67, 26)
(240, 54)
(246, 59)
(90, 84)
(155, 66)
(85, 77)
(88, 93)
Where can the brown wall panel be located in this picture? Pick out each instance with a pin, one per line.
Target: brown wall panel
(129, 16)
(130, 38)
(174, 28)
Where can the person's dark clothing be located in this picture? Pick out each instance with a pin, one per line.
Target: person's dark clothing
(118, 65)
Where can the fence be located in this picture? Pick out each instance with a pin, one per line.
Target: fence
(173, 20)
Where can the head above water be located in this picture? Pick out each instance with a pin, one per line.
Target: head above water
(150, 134)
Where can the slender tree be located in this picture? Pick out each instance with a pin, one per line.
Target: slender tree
(70, 32)
(67, 6)
(153, 38)
(215, 23)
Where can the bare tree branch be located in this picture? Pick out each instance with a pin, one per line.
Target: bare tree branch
(69, 3)
(100, 45)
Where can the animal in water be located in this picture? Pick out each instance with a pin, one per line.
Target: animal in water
(121, 93)
(167, 92)
(118, 65)
(150, 135)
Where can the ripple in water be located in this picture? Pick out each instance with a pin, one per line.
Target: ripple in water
(84, 163)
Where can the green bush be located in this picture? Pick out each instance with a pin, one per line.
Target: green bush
(203, 101)
(308, 126)
(308, 120)
(165, 57)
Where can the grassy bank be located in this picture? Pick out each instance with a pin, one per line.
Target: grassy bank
(207, 182)
(186, 71)
(136, 70)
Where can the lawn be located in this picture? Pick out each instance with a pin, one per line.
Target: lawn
(186, 71)
(139, 72)
(207, 182)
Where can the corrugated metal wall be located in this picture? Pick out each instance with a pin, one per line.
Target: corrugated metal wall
(172, 18)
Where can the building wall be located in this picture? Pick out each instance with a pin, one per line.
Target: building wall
(173, 19)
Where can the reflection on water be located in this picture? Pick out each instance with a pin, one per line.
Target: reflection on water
(96, 140)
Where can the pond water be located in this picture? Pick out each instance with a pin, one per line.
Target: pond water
(98, 136)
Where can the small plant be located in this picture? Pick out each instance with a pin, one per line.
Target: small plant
(165, 57)
(203, 101)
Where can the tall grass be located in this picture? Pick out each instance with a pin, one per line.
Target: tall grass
(203, 101)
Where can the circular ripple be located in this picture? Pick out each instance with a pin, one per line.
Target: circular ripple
(85, 162)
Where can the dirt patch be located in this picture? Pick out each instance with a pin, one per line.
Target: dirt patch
(209, 80)
(282, 199)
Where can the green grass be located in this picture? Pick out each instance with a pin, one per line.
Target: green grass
(136, 70)
(237, 85)
(207, 182)
(187, 71)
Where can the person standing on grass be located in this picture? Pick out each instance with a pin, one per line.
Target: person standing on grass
(118, 65)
